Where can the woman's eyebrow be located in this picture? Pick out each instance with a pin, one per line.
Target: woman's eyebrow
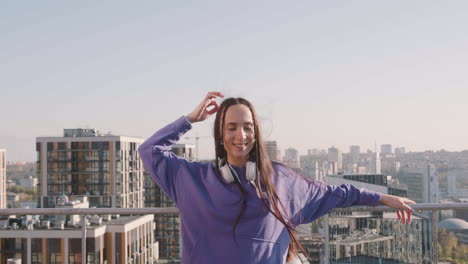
(235, 124)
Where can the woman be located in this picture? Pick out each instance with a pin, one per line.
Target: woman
(244, 208)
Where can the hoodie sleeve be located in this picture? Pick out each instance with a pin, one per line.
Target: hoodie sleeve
(322, 198)
(158, 160)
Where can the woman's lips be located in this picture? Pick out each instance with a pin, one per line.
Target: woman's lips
(240, 146)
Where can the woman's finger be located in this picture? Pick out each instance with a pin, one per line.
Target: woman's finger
(212, 110)
(215, 94)
(398, 215)
(407, 208)
(409, 216)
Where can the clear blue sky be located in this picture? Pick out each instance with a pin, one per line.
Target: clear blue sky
(320, 73)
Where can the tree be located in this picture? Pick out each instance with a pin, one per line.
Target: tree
(451, 243)
(448, 242)
(461, 254)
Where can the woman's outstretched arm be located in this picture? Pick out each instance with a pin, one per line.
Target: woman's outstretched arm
(323, 198)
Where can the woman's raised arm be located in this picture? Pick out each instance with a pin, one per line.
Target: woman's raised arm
(155, 152)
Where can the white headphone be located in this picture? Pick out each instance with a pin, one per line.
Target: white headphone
(230, 175)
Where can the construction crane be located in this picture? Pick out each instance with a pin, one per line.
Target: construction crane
(196, 137)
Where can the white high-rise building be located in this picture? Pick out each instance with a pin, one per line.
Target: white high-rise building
(374, 163)
(3, 198)
(334, 155)
(423, 183)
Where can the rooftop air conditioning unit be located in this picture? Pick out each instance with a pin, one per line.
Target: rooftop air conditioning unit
(95, 220)
(60, 225)
(45, 224)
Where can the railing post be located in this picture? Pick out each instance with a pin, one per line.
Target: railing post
(326, 220)
(28, 256)
(435, 231)
(83, 240)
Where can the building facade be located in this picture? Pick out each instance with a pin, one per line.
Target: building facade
(422, 182)
(29, 182)
(112, 239)
(3, 194)
(291, 158)
(106, 168)
(334, 155)
(355, 153)
(272, 150)
(386, 149)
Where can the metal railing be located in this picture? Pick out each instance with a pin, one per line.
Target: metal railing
(434, 207)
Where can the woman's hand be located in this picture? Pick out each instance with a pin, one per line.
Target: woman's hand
(206, 108)
(399, 203)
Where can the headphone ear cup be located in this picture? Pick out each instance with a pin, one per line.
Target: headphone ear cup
(226, 173)
(250, 171)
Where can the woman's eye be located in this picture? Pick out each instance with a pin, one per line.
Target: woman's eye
(232, 129)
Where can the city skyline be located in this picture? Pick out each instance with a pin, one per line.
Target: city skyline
(319, 74)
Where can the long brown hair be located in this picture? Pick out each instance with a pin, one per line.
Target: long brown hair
(264, 172)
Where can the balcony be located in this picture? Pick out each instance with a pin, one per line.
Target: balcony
(392, 242)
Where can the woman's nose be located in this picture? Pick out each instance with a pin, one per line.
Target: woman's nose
(240, 133)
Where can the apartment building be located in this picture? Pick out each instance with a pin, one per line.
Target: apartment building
(105, 168)
(58, 239)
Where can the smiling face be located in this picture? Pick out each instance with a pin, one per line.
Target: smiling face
(238, 134)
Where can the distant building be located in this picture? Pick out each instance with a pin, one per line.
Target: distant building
(400, 150)
(106, 168)
(310, 167)
(457, 226)
(386, 149)
(29, 182)
(12, 197)
(315, 152)
(3, 194)
(272, 150)
(110, 239)
(334, 155)
(374, 163)
(291, 158)
(355, 153)
(314, 245)
(422, 182)
(185, 151)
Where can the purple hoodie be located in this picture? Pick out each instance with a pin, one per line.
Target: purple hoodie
(209, 206)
